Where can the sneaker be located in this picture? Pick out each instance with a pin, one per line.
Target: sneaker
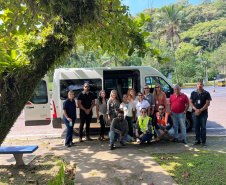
(138, 140)
(99, 138)
(67, 146)
(175, 140)
(158, 138)
(71, 143)
(196, 143)
(204, 144)
(103, 138)
(121, 143)
(88, 138)
(80, 140)
(111, 147)
(184, 141)
(170, 138)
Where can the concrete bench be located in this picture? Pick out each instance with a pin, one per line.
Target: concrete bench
(18, 152)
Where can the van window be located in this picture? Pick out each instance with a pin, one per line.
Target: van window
(40, 94)
(152, 81)
(77, 87)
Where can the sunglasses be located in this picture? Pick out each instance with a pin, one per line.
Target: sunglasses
(157, 87)
(161, 108)
(143, 112)
(146, 88)
(87, 87)
(140, 95)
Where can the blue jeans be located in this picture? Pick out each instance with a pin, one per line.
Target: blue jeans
(170, 131)
(200, 126)
(69, 132)
(179, 119)
(113, 136)
(146, 137)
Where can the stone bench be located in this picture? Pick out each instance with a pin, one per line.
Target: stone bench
(18, 152)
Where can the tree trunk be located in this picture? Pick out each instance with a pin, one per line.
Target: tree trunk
(17, 89)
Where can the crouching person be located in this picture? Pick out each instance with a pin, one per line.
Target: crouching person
(119, 130)
(163, 124)
(143, 127)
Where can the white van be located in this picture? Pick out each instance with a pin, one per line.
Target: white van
(66, 79)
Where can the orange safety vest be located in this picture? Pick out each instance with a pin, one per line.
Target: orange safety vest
(162, 122)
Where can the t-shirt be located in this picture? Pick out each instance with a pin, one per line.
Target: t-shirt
(178, 103)
(86, 100)
(70, 107)
(139, 106)
(127, 108)
(199, 100)
(102, 106)
(150, 99)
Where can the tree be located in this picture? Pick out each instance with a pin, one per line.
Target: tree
(37, 35)
(170, 22)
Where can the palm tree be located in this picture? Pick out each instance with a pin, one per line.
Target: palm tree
(171, 21)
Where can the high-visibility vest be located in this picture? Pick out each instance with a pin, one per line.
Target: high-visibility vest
(164, 121)
(144, 124)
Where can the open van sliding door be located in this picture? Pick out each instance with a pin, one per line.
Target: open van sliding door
(129, 78)
(37, 111)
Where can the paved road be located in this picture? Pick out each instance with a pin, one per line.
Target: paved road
(216, 124)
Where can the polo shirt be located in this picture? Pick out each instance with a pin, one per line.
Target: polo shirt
(203, 96)
(178, 102)
(86, 99)
(70, 107)
(139, 106)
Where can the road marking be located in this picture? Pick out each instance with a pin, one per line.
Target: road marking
(215, 128)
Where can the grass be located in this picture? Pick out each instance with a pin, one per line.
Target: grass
(199, 168)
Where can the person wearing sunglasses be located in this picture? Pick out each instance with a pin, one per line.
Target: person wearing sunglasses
(160, 97)
(178, 105)
(86, 101)
(142, 104)
(150, 98)
(119, 130)
(163, 124)
(143, 127)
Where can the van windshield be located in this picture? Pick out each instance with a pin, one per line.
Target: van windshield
(77, 86)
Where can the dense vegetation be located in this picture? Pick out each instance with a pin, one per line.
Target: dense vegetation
(193, 37)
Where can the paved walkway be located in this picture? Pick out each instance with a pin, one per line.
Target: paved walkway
(130, 164)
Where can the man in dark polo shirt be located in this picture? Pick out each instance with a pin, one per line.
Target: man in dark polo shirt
(69, 117)
(200, 101)
(86, 101)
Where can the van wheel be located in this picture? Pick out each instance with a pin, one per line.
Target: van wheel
(189, 122)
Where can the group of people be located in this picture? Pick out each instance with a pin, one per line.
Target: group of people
(147, 110)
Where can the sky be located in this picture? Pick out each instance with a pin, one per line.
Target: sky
(137, 6)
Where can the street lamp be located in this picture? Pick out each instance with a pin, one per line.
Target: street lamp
(214, 78)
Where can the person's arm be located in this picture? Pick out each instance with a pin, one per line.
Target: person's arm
(165, 100)
(149, 111)
(136, 128)
(186, 108)
(127, 128)
(205, 106)
(113, 127)
(80, 105)
(148, 131)
(170, 123)
(170, 109)
(92, 105)
(66, 116)
(97, 111)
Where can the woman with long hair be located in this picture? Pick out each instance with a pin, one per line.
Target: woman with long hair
(127, 107)
(113, 105)
(160, 97)
(101, 110)
(133, 99)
